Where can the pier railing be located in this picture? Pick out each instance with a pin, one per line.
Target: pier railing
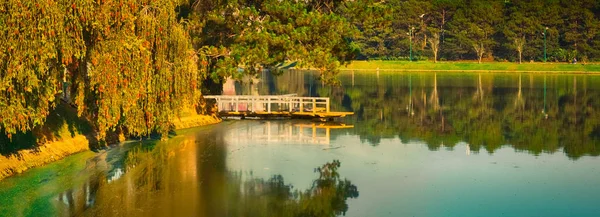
(269, 104)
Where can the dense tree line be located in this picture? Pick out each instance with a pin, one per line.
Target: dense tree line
(502, 30)
(132, 65)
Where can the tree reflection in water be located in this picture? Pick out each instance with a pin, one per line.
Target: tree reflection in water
(326, 197)
(550, 113)
(188, 177)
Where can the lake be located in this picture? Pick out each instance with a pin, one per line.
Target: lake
(419, 144)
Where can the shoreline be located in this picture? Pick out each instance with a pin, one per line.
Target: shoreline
(345, 70)
(472, 67)
(52, 151)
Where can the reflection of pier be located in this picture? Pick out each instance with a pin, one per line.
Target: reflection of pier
(304, 133)
(290, 106)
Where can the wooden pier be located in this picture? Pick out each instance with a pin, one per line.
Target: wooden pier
(274, 106)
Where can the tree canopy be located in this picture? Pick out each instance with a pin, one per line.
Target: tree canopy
(498, 30)
(257, 35)
(131, 66)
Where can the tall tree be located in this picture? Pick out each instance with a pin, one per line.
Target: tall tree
(373, 19)
(411, 17)
(476, 25)
(260, 35)
(434, 42)
(581, 26)
(519, 43)
(521, 25)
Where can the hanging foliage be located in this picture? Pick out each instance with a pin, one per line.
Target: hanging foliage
(129, 63)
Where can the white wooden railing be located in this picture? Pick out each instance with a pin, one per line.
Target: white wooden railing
(271, 103)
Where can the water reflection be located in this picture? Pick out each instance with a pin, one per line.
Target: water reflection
(77, 200)
(411, 147)
(276, 132)
(184, 176)
(536, 113)
(273, 197)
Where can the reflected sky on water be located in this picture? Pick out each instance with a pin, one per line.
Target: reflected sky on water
(418, 145)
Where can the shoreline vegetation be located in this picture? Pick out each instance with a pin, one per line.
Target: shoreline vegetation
(65, 135)
(463, 66)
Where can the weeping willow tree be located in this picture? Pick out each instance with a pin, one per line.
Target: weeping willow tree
(129, 64)
(29, 70)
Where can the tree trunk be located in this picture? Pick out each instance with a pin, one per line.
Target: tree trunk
(479, 49)
(520, 43)
(443, 23)
(520, 56)
(434, 41)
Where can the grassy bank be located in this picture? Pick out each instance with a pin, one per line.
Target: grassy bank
(189, 118)
(64, 134)
(41, 155)
(473, 66)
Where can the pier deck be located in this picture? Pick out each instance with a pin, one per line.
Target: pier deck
(275, 106)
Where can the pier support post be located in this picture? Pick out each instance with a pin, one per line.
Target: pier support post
(236, 104)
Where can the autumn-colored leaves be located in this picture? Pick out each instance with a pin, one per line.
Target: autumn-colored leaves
(128, 63)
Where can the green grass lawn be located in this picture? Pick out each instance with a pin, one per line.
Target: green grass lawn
(471, 66)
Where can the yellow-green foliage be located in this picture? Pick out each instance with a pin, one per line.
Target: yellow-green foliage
(129, 63)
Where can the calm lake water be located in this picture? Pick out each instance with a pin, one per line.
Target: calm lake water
(419, 144)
